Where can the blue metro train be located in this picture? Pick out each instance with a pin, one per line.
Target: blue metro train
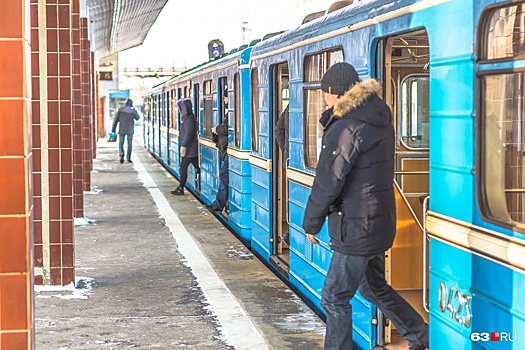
(453, 73)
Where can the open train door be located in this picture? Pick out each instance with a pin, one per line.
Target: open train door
(280, 229)
(403, 68)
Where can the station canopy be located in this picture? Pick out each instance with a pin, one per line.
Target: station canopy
(117, 25)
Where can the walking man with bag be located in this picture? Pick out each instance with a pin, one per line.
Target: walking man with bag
(125, 117)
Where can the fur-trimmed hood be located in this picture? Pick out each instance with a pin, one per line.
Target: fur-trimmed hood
(364, 97)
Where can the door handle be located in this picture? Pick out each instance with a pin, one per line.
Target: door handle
(425, 270)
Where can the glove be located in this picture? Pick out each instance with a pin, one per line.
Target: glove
(183, 151)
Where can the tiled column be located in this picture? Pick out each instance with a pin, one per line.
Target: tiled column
(94, 109)
(86, 104)
(78, 163)
(16, 193)
(52, 135)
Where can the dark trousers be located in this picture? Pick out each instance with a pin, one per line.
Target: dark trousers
(347, 274)
(186, 161)
(121, 145)
(222, 193)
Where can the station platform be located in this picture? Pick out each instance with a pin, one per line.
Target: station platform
(157, 271)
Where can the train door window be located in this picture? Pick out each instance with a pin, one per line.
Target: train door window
(255, 109)
(196, 105)
(502, 128)
(223, 97)
(315, 65)
(415, 116)
(208, 109)
(237, 109)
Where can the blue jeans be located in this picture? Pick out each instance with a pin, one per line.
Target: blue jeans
(347, 274)
(121, 145)
(222, 193)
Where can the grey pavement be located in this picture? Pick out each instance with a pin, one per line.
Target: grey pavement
(156, 271)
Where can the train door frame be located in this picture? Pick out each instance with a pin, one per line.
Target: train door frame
(280, 92)
(195, 98)
(392, 81)
(167, 105)
(223, 112)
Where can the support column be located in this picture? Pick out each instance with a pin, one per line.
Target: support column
(86, 104)
(52, 135)
(16, 199)
(78, 163)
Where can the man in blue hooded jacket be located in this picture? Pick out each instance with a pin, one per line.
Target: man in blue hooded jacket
(353, 186)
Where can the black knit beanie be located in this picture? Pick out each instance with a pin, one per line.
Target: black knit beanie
(339, 78)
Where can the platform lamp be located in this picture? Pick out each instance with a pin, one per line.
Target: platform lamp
(215, 49)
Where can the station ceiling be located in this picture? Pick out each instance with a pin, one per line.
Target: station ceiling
(117, 25)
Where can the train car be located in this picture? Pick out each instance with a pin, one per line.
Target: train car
(452, 73)
(218, 90)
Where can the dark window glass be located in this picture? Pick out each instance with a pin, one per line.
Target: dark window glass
(255, 109)
(237, 110)
(208, 109)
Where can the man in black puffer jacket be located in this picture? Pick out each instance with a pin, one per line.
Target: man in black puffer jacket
(354, 188)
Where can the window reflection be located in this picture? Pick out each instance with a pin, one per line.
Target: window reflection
(314, 68)
(503, 146)
(506, 33)
(415, 116)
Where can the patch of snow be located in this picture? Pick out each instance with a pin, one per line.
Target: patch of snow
(84, 221)
(84, 286)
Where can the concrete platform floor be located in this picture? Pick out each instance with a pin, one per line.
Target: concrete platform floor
(156, 271)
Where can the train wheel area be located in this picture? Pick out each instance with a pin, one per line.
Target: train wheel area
(160, 271)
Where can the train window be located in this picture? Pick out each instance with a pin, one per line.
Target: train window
(166, 108)
(237, 109)
(314, 105)
(505, 33)
(255, 109)
(154, 109)
(315, 65)
(208, 109)
(503, 146)
(161, 109)
(502, 128)
(415, 116)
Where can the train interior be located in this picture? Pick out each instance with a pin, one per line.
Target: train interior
(404, 73)
(280, 189)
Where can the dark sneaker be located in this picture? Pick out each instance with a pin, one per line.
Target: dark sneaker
(130, 161)
(213, 208)
(178, 191)
(121, 159)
